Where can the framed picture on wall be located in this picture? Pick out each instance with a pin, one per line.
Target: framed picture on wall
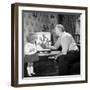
(48, 44)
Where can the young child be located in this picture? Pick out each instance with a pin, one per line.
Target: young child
(30, 51)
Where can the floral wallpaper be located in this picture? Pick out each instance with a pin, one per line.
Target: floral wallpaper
(38, 22)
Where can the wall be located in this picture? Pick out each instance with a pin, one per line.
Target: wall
(46, 21)
(5, 45)
(39, 22)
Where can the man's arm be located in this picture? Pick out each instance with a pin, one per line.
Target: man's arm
(65, 44)
(51, 47)
(55, 46)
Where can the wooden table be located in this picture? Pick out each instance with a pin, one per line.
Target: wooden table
(52, 53)
(47, 65)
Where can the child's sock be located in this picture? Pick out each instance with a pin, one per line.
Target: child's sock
(29, 71)
(32, 70)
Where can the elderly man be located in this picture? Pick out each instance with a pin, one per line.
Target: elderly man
(69, 51)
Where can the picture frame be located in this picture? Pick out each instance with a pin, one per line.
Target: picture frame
(21, 14)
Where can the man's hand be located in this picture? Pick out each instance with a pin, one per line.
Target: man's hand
(57, 56)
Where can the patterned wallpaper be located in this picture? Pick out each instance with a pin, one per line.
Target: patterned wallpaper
(46, 21)
(38, 21)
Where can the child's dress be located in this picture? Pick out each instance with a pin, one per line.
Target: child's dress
(30, 52)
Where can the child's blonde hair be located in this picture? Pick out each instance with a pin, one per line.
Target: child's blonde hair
(31, 37)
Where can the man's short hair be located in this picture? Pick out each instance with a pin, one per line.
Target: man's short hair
(61, 27)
